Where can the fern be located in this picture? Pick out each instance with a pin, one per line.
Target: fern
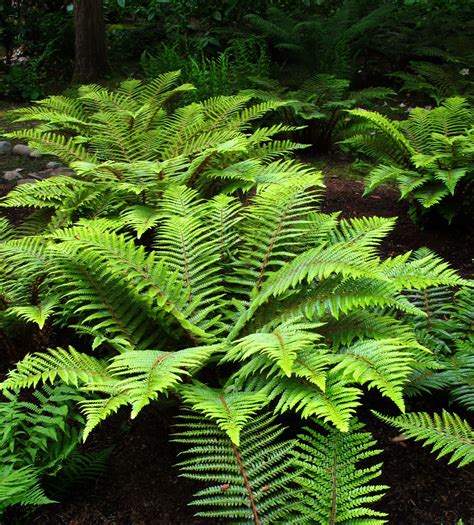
(249, 482)
(447, 433)
(38, 438)
(214, 290)
(319, 105)
(229, 304)
(336, 488)
(427, 155)
(127, 146)
(446, 329)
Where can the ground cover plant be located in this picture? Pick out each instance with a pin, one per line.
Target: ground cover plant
(182, 285)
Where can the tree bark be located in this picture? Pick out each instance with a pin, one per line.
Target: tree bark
(91, 63)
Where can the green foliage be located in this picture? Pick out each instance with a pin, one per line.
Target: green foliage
(266, 478)
(36, 44)
(188, 252)
(437, 81)
(319, 104)
(205, 295)
(336, 487)
(338, 33)
(446, 329)
(226, 74)
(233, 309)
(249, 482)
(23, 81)
(127, 147)
(429, 155)
(39, 440)
(447, 433)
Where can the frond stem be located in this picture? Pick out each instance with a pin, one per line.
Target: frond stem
(243, 473)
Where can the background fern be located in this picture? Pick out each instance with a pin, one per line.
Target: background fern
(428, 155)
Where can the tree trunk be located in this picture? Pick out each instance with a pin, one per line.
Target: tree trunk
(90, 42)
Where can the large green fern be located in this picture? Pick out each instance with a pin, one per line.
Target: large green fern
(264, 303)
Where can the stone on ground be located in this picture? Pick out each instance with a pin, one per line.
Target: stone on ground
(5, 147)
(12, 175)
(21, 149)
(26, 181)
(54, 165)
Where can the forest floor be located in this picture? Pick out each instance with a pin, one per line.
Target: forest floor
(141, 485)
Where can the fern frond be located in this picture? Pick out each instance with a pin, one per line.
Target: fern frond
(336, 487)
(229, 410)
(143, 375)
(384, 364)
(70, 366)
(37, 313)
(281, 346)
(249, 482)
(447, 433)
(21, 486)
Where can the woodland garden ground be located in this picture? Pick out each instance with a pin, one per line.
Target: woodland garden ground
(142, 483)
(206, 308)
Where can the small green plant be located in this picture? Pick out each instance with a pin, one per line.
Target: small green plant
(429, 155)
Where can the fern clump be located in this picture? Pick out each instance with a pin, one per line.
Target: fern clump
(128, 146)
(207, 274)
(319, 104)
(429, 155)
(438, 74)
(39, 443)
(296, 304)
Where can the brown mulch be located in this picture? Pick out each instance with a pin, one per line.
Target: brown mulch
(455, 244)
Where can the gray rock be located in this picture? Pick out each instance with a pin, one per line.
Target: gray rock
(26, 181)
(35, 154)
(12, 175)
(54, 165)
(64, 172)
(21, 149)
(44, 174)
(5, 147)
